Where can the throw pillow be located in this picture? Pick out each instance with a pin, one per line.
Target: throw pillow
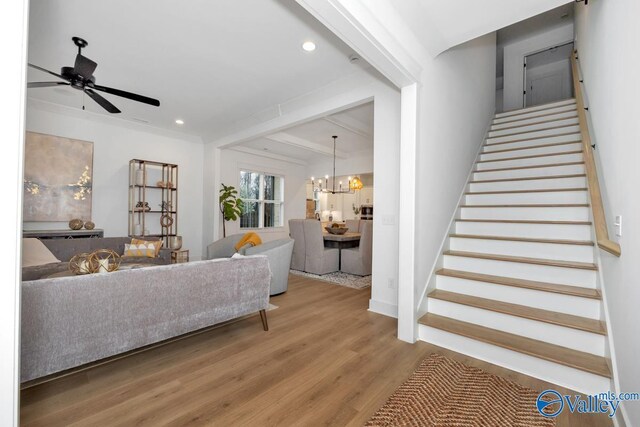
(34, 252)
(249, 238)
(157, 244)
(142, 250)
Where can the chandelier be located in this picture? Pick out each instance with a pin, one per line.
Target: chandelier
(354, 183)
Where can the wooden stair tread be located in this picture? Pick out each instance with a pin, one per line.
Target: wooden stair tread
(535, 130)
(525, 221)
(533, 205)
(541, 122)
(525, 260)
(569, 110)
(576, 291)
(536, 108)
(554, 353)
(535, 190)
(549, 165)
(524, 239)
(533, 138)
(530, 178)
(533, 156)
(552, 317)
(531, 147)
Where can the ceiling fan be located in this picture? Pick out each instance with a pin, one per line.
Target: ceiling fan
(81, 77)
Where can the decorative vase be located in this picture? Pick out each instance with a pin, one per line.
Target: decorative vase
(137, 229)
(175, 242)
(140, 177)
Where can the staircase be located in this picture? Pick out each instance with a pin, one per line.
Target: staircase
(519, 281)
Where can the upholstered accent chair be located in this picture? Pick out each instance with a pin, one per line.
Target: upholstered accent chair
(277, 251)
(318, 259)
(358, 260)
(296, 232)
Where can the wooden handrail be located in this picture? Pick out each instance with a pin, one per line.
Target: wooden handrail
(599, 220)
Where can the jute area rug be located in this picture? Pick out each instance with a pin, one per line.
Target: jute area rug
(444, 392)
(339, 278)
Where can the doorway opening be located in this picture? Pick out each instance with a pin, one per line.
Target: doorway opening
(547, 75)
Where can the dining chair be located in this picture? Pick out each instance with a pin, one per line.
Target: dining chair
(318, 259)
(353, 225)
(296, 232)
(358, 260)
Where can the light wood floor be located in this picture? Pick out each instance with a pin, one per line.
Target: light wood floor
(326, 360)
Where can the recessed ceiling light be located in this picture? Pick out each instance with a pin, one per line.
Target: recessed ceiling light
(309, 46)
(179, 122)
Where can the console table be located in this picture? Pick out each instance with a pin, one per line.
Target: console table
(64, 234)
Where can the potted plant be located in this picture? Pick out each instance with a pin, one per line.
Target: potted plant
(230, 205)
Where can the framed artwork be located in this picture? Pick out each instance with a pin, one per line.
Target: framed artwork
(58, 175)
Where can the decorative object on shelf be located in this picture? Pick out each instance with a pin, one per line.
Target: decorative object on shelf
(164, 184)
(356, 209)
(137, 229)
(140, 177)
(231, 206)
(166, 220)
(79, 264)
(76, 224)
(89, 225)
(165, 206)
(175, 242)
(103, 261)
(179, 256)
(350, 185)
(57, 178)
(142, 207)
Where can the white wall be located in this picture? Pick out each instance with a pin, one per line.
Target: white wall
(457, 102)
(295, 191)
(607, 35)
(514, 54)
(115, 142)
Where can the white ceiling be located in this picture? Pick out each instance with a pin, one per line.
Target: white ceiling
(311, 142)
(209, 63)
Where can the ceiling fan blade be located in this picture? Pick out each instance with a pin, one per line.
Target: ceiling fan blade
(128, 95)
(102, 102)
(46, 84)
(47, 71)
(84, 66)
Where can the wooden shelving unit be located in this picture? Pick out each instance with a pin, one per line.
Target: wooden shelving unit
(160, 219)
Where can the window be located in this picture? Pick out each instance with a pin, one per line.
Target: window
(263, 197)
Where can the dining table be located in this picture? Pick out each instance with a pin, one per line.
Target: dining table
(341, 241)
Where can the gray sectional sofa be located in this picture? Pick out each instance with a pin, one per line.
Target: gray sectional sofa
(71, 321)
(65, 249)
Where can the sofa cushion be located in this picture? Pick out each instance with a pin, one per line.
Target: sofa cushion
(35, 253)
(140, 250)
(157, 244)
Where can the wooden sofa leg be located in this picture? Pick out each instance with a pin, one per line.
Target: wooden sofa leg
(263, 316)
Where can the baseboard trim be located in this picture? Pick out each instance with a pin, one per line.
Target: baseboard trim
(383, 308)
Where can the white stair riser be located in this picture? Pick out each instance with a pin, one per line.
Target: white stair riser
(534, 214)
(540, 231)
(529, 172)
(534, 134)
(556, 197)
(532, 151)
(573, 137)
(523, 122)
(533, 184)
(552, 251)
(568, 304)
(531, 127)
(554, 373)
(534, 161)
(553, 334)
(528, 110)
(542, 273)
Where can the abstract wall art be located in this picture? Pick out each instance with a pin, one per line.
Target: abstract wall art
(58, 176)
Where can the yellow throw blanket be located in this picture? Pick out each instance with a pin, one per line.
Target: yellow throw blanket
(251, 238)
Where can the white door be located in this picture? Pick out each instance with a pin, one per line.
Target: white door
(546, 89)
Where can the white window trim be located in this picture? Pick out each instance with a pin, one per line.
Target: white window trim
(261, 200)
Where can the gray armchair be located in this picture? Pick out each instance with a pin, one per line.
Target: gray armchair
(277, 251)
(296, 231)
(318, 259)
(358, 260)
